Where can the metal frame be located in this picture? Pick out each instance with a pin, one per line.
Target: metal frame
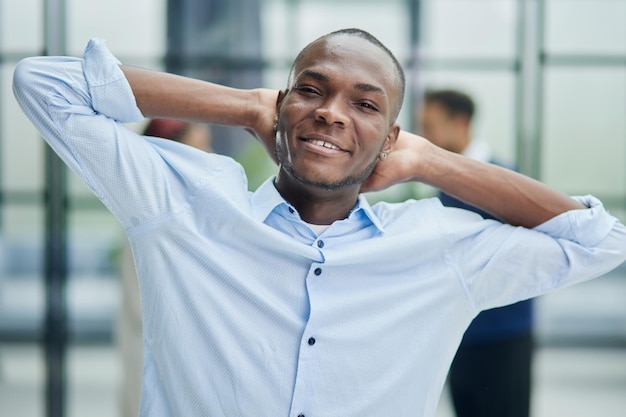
(529, 87)
(55, 258)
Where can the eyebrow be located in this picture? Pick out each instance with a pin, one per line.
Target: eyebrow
(314, 74)
(359, 86)
(369, 88)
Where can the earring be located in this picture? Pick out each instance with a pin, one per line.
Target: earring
(275, 122)
(383, 155)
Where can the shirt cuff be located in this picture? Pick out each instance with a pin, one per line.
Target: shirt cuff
(110, 92)
(587, 226)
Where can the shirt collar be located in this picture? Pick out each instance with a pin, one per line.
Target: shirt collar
(266, 198)
(364, 206)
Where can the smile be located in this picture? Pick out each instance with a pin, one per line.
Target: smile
(323, 144)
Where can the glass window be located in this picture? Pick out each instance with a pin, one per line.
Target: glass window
(138, 29)
(284, 35)
(318, 18)
(21, 26)
(275, 78)
(91, 225)
(23, 379)
(583, 147)
(586, 26)
(21, 284)
(468, 29)
(93, 374)
(276, 46)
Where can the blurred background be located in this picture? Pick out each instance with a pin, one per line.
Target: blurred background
(549, 81)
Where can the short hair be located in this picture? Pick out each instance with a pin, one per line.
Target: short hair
(360, 33)
(454, 101)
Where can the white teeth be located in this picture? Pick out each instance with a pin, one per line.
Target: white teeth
(323, 144)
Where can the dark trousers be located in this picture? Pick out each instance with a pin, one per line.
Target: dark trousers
(493, 380)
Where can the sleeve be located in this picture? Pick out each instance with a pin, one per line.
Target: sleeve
(79, 107)
(498, 264)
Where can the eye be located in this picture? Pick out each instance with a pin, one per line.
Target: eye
(306, 89)
(368, 106)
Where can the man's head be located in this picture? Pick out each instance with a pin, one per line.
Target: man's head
(338, 113)
(399, 71)
(446, 119)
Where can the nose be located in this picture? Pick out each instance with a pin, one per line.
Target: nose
(332, 112)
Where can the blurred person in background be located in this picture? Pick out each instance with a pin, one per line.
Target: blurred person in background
(491, 372)
(129, 333)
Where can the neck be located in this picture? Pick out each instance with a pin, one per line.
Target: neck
(317, 205)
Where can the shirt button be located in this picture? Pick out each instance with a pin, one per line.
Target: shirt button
(317, 271)
(320, 244)
(291, 210)
(300, 415)
(311, 341)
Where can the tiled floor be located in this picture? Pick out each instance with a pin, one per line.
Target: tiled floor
(570, 382)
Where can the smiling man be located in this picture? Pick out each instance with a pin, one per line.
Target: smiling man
(301, 299)
(336, 120)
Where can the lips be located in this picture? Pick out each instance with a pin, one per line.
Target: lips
(323, 144)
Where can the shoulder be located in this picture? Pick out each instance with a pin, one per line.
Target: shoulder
(185, 157)
(424, 214)
(410, 211)
(196, 168)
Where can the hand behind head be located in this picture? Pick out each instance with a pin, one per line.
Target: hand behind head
(401, 165)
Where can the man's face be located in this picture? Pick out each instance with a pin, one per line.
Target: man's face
(336, 116)
(442, 129)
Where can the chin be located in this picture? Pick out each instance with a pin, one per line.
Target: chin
(327, 183)
(309, 179)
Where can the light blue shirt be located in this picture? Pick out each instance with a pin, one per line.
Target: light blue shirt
(247, 312)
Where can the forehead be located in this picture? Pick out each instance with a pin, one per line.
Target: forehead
(352, 59)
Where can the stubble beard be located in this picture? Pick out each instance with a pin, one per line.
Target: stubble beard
(348, 181)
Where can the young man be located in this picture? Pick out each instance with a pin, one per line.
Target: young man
(300, 299)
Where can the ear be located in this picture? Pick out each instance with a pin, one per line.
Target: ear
(392, 137)
(280, 98)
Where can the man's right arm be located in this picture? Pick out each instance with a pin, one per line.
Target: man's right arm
(80, 106)
(170, 96)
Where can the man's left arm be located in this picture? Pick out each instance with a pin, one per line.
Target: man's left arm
(509, 196)
(572, 239)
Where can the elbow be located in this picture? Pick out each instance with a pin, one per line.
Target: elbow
(622, 237)
(24, 77)
(616, 244)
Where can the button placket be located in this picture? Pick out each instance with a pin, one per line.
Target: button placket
(308, 359)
